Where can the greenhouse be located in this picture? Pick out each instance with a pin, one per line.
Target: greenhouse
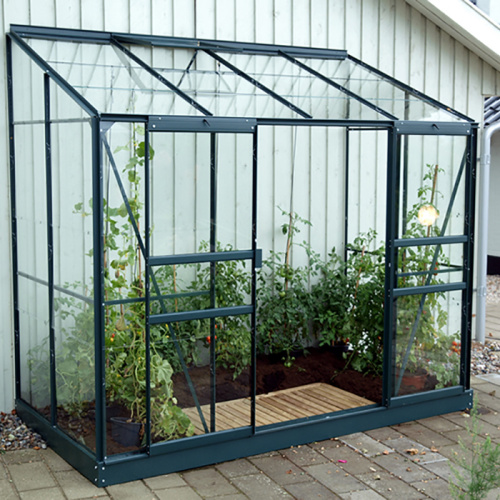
(223, 248)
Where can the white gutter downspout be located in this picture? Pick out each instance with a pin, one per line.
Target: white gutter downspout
(482, 247)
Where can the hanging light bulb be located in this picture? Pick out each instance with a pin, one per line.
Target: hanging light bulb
(427, 215)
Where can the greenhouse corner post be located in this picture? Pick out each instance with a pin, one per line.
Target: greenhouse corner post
(392, 203)
(147, 308)
(97, 211)
(12, 161)
(50, 249)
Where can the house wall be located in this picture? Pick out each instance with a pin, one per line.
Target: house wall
(494, 208)
(388, 34)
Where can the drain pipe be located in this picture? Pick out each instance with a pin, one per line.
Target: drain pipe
(482, 247)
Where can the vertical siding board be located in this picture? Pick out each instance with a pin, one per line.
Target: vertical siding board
(43, 13)
(184, 19)
(245, 21)
(401, 61)
(319, 24)
(301, 23)
(224, 21)
(488, 80)
(116, 16)
(68, 14)
(264, 21)
(92, 14)
(336, 25)
(162, 17)
(353, 29)
(475, 105)
(283, 22)
(461, 70)
(369, 32)
(205, 19)
(140, 16)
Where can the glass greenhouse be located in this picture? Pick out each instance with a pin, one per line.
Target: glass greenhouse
(224, 248)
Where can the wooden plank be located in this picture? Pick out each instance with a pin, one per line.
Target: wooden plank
(279, 406)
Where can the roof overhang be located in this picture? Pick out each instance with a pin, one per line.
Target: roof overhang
(467, 24)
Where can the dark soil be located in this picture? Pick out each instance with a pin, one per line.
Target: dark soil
(317, 365)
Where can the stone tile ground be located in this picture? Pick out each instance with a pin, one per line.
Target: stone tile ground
(363, 466)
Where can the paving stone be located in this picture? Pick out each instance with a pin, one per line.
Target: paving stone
(439, 424)
(362, 495)
(235, 468)
(166, 481)
(465, 436)
(45, 494)
(451, 452)
(334, 478)
(487, 387)
(390, 487)
(74, 485)
(31, 476)
(182, 493)
(493, 378)
(492, 418)
(281, 470)
(437, 488)
(309, 491)
(441, 469)
(350, 460)
(268, 454)
(7, 490)
(259, 486)
(425, 455)
(493, 494)
(491, 402)
(368, 446)
(209, 482)
(423, 435)
(327, 443)
(383, 434)
(404, 468)
(22, 456)
(3, 471)
(304, 455)
(54, 461)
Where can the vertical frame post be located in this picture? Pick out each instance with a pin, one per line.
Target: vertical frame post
(253, 317)
(469, 226)
(147, 252)
(213, 248)
(98, 232)
(392, 204)
(50, 249)
(12, 167)
(346, 192)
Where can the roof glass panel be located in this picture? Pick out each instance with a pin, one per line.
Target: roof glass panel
(380, 91)
(211, 84)
(109, 80)
(306, 91)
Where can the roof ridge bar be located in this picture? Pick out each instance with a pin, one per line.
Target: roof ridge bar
(414, 91)
(161, 78)
(337, 86)
(259, 85)
(68, 88)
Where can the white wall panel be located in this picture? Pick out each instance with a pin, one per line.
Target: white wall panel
(385, 33)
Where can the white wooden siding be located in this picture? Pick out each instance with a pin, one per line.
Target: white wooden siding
(388, 34)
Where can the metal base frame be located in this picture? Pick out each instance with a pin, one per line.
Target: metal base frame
(199, 451)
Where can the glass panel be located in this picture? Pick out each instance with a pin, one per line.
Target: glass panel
(432, 186)
(378, 90)
(109, 80)
(126, 376)
(427, 342)
(212, 84)
(230, 389)
(73, 269)
(187, 287)
(27, 87)
(181, 191)
(75, 367)
(31, 239)
(34, 344)
(300, 87)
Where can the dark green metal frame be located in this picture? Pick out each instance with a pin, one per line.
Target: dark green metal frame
(212, 447)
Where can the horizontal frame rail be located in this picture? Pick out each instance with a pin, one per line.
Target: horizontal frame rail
(426, 289)
(157, 319)
(194, 258)
(438, 240)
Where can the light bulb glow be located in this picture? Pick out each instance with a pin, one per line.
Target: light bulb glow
(427, 215)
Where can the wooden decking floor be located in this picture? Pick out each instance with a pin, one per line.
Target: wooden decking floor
(279, 406)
